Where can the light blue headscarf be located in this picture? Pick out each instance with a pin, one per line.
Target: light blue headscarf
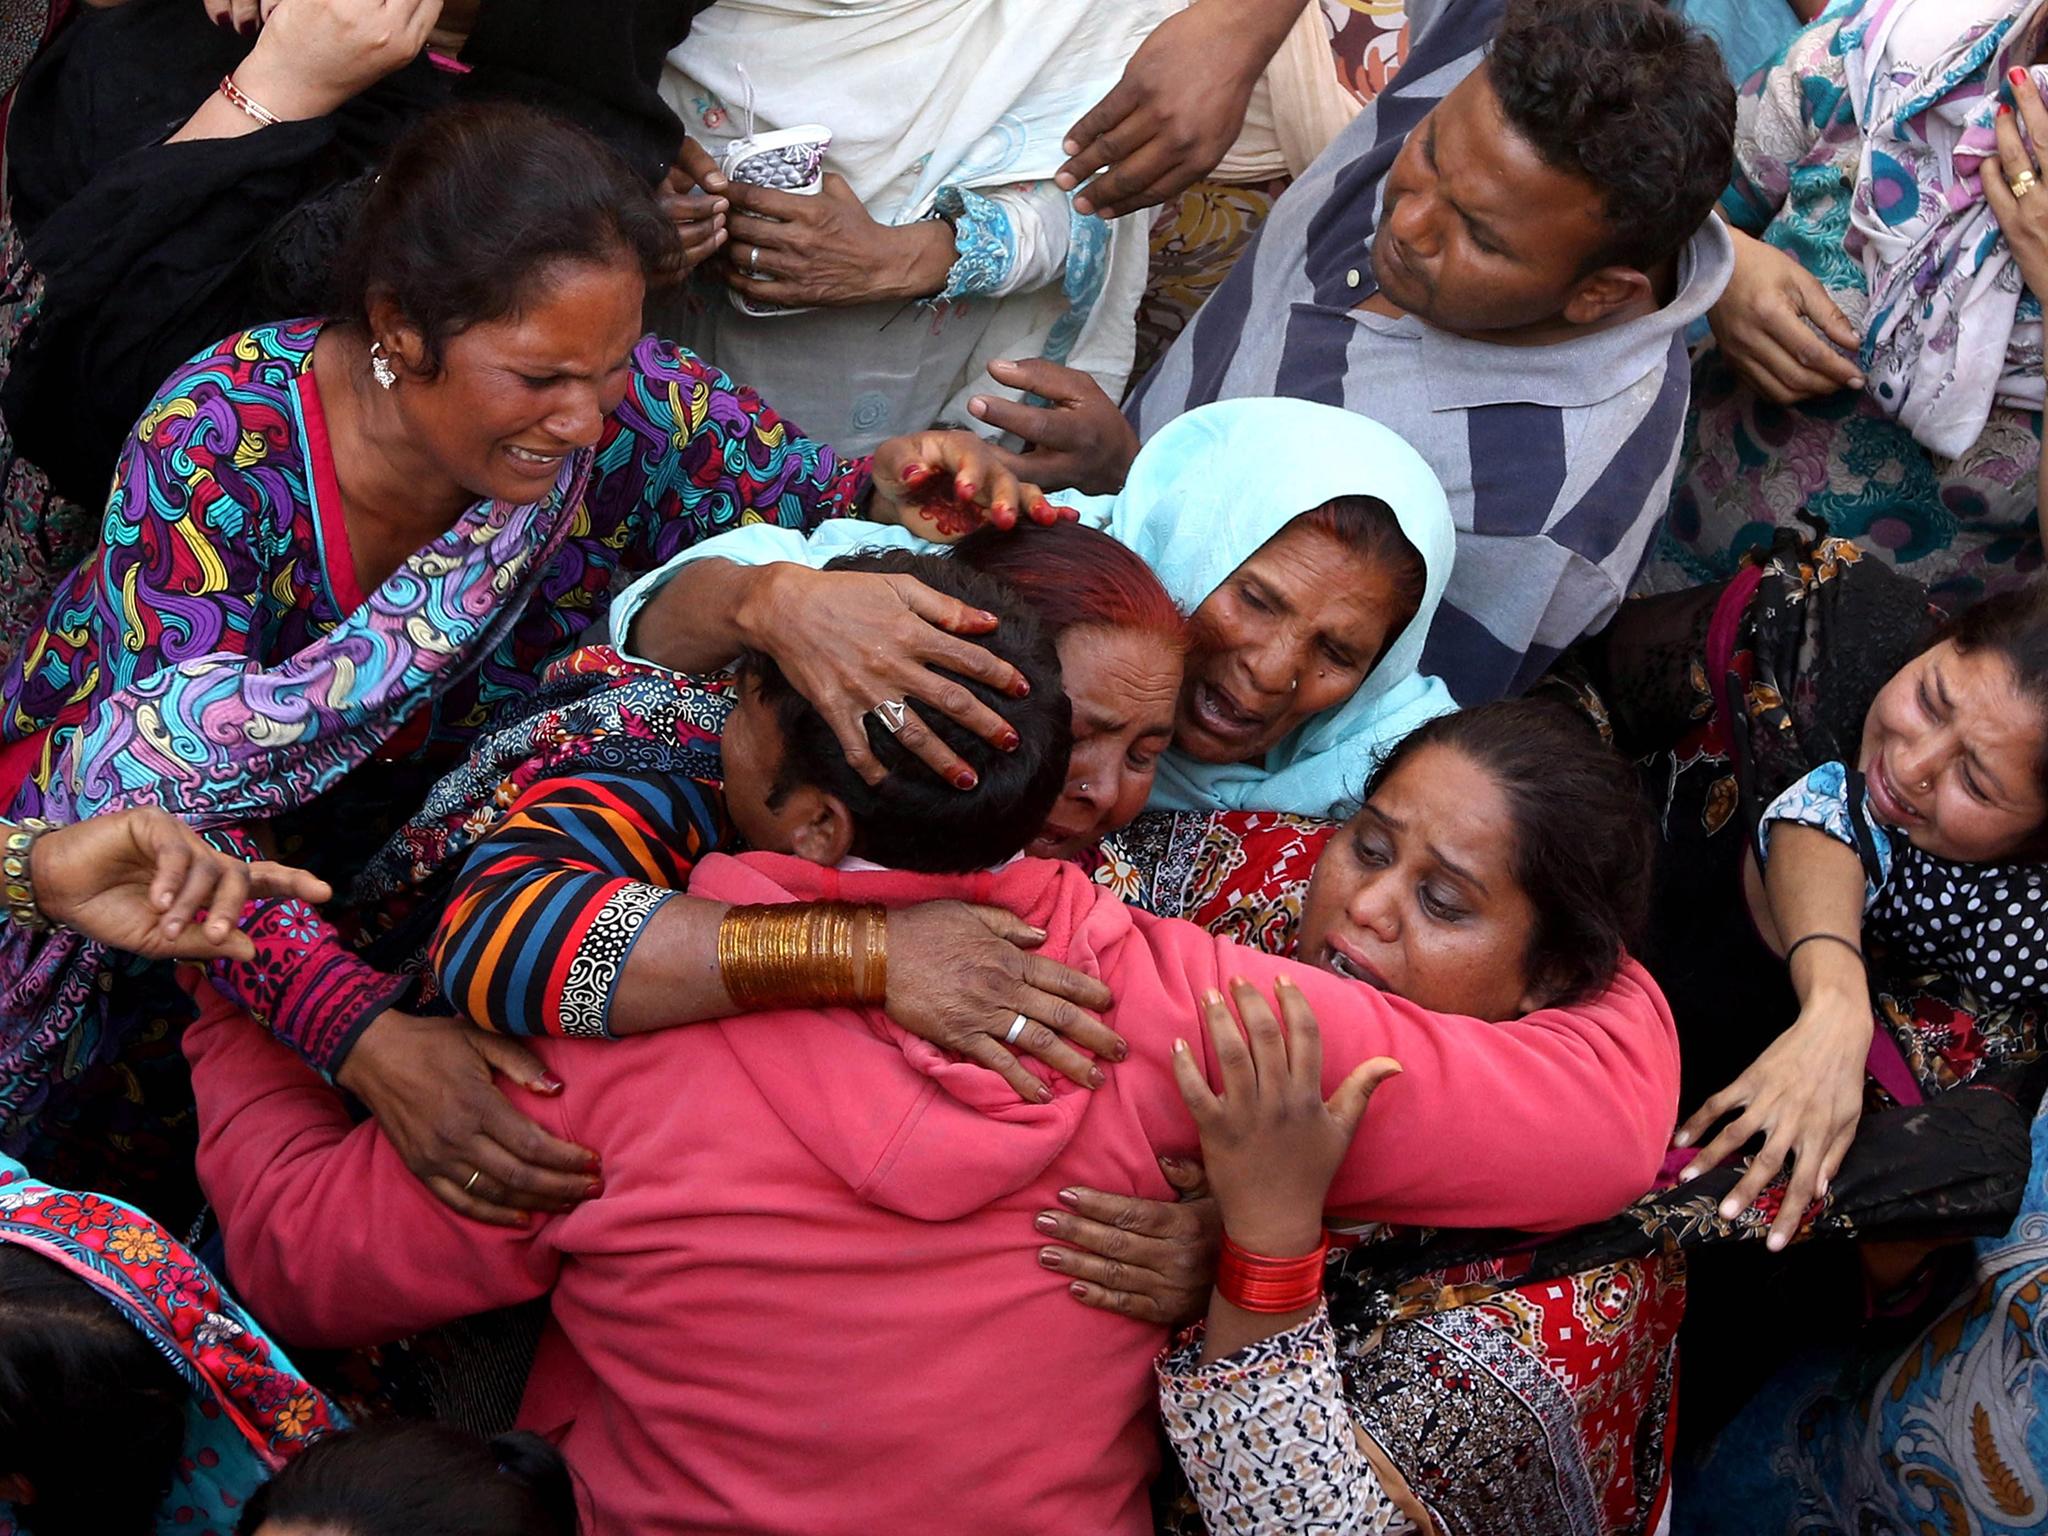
(1204, 494)
(1202, 497)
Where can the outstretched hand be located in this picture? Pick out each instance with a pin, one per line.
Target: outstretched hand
(1176, 111)
(139, 880)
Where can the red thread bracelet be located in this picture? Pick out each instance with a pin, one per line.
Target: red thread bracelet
(1253, 1282)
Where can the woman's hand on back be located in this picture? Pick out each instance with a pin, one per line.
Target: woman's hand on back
(1271, 1143)
(960, 976)
(1154, 1260)
(314, 55)
(1779, 329)
(429, 1083)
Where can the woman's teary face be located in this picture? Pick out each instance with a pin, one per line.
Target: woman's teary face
(1417, 894)
(1122, 684)
(1291, 632)
(516, 396)
(1951, 755)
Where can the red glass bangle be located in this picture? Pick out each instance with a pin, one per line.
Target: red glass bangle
(1254, 1283)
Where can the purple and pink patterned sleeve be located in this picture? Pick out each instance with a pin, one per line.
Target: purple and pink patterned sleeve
(701, 454)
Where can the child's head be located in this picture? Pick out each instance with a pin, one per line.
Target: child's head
(789, 788)
(92, 1418)
(417, 1480)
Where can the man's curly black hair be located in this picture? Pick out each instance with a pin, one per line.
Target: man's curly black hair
(1626, 95)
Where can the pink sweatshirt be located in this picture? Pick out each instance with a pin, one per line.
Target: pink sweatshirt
(808, 1299)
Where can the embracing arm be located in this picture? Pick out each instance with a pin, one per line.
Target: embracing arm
(330, 1240)
(1540, 1123)
(570, 918)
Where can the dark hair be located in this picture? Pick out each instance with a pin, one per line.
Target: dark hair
(421, 1480)
(1075, 577)
(477, 204)
(913, 820)
(2012, 624)
(1625, 95)
(1367, 527)
(1583, 842)
(90, 1413)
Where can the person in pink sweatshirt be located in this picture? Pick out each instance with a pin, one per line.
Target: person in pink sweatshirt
(805, 1299)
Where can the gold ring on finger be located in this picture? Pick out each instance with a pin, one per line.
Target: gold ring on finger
(2024, 183)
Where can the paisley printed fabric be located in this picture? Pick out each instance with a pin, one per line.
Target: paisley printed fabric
(1554, 1359)
(1949, 1439)
(251, 1410)
(1259, 1441)
(1960, 521)
(215, 654)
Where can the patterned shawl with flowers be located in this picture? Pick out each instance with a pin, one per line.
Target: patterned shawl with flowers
(1924, 79)
(251, 1410)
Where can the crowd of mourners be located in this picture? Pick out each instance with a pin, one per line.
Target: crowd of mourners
(1023, 766)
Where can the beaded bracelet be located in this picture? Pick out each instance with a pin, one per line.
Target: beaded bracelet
(1253, 1282)
(803, 954)
(248, 105)
(19, 886)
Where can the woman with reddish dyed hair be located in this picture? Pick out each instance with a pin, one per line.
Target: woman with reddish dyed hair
(1121, 643)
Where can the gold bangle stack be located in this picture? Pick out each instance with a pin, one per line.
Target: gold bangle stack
(803, 954)
(19, 885)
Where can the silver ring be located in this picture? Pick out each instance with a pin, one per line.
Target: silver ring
(754, 263)
(1016, 1028)
(892, 713)
(470, 1187)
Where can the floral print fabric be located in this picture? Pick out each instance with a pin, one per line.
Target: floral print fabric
(251, 1410)
(1961, 522)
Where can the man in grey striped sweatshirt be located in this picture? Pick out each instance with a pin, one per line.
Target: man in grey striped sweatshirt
(1499, 259)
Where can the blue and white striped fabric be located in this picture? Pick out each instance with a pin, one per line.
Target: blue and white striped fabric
(1557, 459)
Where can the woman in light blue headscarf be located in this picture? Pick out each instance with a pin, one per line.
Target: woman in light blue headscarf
(1309, 545)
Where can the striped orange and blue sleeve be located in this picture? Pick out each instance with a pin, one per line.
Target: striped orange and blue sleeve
(549, 906)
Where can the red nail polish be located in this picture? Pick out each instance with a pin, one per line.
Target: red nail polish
(1009, 741)
(964, 779)
(1047, 1223)
(1049, 1257)
(2016, 74)
(1095, 1077)
(1078, 1289)
(1022, 689)
(596, 1189)
(2004, 110)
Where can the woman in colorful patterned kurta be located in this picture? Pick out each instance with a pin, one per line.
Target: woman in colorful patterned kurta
(298, 589)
